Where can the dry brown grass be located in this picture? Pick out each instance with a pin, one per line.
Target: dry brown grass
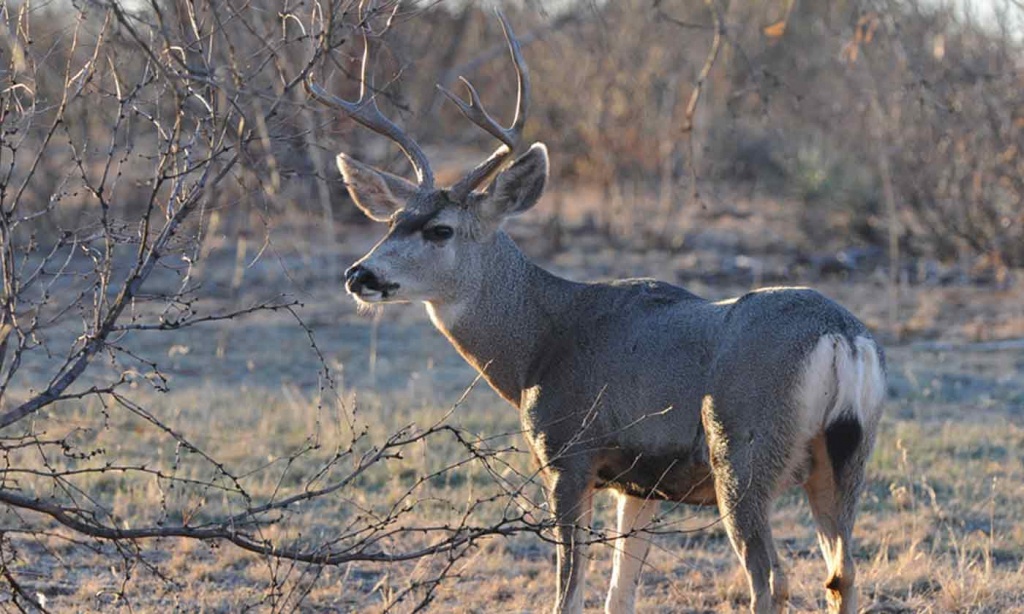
(938, 533)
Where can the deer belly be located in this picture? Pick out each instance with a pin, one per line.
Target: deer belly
(670, 477)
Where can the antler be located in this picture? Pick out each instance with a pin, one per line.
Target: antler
(476, 113)
(366, 112)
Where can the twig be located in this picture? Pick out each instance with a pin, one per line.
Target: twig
(698, 88)
(186, 322)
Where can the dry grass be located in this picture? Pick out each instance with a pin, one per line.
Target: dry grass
(939, 529)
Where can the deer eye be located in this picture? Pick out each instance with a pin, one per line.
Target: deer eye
(438, 233)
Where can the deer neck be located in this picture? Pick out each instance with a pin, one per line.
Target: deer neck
(500, 321)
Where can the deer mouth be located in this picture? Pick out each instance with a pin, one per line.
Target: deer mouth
(377, 293)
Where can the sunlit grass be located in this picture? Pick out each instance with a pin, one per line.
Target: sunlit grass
(938, 530)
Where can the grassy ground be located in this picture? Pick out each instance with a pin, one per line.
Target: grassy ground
(938, 532)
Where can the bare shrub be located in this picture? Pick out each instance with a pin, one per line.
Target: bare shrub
(857, 95)
(125, 134)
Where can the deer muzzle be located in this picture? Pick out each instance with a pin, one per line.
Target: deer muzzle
(364, 283)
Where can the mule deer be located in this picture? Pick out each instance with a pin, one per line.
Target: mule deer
(637, 386)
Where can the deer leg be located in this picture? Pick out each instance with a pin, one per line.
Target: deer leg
(746, 473)
(751, 538)
(833, 497)
(571, 500)
(630, 551)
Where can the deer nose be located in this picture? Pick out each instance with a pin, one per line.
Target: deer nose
(358, 277)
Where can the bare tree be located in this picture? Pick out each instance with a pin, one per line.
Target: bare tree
(126, 134)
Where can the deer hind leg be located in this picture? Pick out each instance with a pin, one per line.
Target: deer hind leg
(832, 492)
(634, 514)
(751, 536)
(571, 502)
(746, 475)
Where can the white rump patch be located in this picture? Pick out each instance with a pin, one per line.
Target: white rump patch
(838, 380)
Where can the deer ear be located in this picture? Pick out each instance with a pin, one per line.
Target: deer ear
(377, 193)
(518, 187)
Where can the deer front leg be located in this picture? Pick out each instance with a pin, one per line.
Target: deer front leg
(571, 500)
(634, 514)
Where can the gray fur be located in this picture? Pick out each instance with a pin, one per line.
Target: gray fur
(644, 388)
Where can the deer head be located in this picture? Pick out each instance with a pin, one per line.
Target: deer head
(437, 237)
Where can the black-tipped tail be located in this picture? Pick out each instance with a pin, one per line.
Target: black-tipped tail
(842, 438)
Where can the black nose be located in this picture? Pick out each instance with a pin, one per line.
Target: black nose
(358, 277)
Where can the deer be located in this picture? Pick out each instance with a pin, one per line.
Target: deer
(635, 386)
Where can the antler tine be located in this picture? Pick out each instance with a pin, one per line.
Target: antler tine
(366, 112)
(475, 112)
